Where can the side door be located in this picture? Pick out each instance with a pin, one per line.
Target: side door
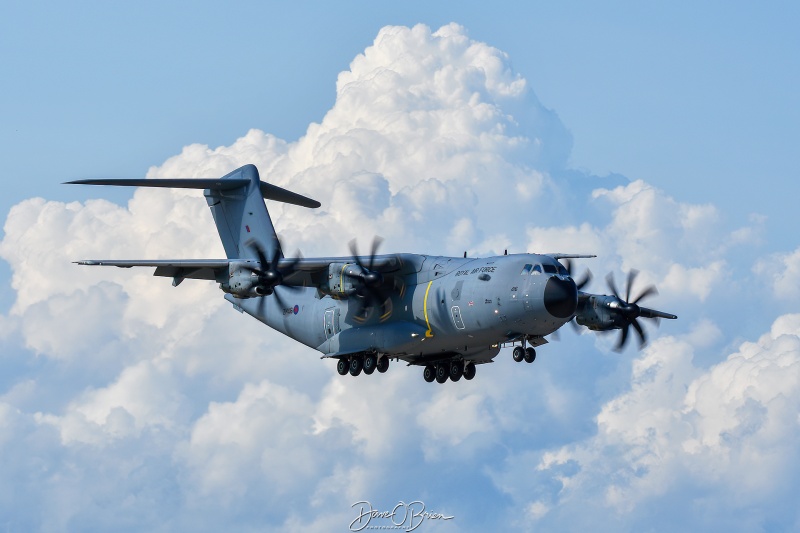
(331, 322)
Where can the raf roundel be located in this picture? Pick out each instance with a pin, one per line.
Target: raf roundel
(296, 309)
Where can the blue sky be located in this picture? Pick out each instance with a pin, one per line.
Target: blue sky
(133, 405)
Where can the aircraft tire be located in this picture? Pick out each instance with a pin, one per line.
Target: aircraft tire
(356, 364)
(469, 371)
(370, 362)
(342, 366)
(530, 355)
(518, 354)
(383, 364)
(456, 370)
(442, 372)
(429, 374)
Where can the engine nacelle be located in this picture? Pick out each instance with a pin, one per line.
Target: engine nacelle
(242, 282)
(339, 284)
(599, 313)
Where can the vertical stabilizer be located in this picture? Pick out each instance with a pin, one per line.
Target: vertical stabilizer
(241, 215)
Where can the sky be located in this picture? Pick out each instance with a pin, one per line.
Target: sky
(659, 137)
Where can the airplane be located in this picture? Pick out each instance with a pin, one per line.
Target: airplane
(445, 314)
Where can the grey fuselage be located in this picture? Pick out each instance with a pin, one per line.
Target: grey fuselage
(447, 307)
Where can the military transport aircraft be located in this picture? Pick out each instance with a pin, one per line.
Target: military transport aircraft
(446, 314)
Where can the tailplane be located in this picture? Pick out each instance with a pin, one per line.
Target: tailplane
(237, 204)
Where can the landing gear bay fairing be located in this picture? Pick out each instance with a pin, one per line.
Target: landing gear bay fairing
(445, 314)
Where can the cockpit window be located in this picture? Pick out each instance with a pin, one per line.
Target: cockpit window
(537, 269)
(525, 270)
(562, 270)
(550, 269)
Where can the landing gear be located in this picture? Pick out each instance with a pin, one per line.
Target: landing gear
(530, 355)
(383, 364)
(370, 362)
(442, 370)
(456, 370)
(469, 371)
(356, 364)
(519, 353)
(342, 366)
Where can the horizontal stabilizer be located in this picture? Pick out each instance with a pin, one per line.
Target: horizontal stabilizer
(268, 191)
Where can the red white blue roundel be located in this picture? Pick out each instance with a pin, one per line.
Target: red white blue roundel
(296, 309)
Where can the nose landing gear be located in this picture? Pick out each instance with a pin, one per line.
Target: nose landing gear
(524, 354)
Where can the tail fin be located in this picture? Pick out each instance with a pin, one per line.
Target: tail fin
(241, 215)
(237, 204)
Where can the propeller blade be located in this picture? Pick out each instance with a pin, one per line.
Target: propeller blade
(586, 277)
(631, 277)
(354, 253)
(611, 286)
(622, 338)
(640, 331)
(279, 299)
(649, 291)
(376, 242)
(585, 281)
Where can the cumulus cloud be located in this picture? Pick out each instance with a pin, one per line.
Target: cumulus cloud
(724, 438)
(136, 405)
(783, 274)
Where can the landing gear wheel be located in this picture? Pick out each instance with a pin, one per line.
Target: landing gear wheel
(383, 364)
(456, 370)
(469, 371)
(356, 364)
(441, 373)
(370, 362)
(429, 374)
(530, 355)
(519, 353)
(342, 366)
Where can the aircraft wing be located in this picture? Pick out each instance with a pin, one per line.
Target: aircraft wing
(170, 268)
(558, 256)
(217, 269)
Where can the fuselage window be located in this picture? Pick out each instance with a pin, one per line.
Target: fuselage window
(526, 270)
(537, 269)
(550, 269)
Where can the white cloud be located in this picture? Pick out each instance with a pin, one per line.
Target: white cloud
(783, 273)
(730, 431)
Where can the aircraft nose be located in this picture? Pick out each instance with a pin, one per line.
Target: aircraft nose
(560, 297)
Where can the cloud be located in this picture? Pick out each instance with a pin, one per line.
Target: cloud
(725, 436)
(135, 405)
(783, 273)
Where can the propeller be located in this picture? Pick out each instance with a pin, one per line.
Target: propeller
(271, 275)
(372, 290)
(586, 277)
(627, 312)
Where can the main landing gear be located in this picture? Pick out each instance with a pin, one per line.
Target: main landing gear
(527, 354)
(369, 363)
(444, 370)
